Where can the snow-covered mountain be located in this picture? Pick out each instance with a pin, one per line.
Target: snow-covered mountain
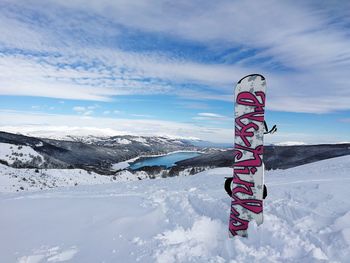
(108, 155)
(90, 153)
(84, 134)
(182, 219)
(275, 157)
(290, 143)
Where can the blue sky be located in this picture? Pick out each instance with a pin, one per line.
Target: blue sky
(169, 67)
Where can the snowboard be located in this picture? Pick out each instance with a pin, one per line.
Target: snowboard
(248, 170)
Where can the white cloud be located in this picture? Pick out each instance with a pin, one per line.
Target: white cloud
(79, 108)
(210, 116)
(193, 105)
(40, 123)
(88, 113)
(17, 121)
(107, 112)
(55, 61)
(142, 115)
(85, 111)
(92, 107)
(303, 35)
(105, 80)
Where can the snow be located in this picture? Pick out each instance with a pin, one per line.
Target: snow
(140, 139)
(190, 138)
(289, 143)
(11, 153)
(61, 132)
(14, 180)
(39, 144)
(182, 219)
(120, 165)
(123, 141)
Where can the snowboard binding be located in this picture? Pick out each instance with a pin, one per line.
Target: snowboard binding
(267, 131)
(228, 188)
(228, 180)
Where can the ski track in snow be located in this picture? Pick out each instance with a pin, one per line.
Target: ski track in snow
(182, 219)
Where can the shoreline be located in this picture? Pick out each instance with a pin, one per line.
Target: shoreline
(142, 157)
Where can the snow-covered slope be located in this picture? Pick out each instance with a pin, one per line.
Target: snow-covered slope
(182, 219)
(19, 154)
(15, 180)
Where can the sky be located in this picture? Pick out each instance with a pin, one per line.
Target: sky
(159, 67)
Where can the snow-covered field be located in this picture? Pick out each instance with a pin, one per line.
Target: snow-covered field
(181, 219)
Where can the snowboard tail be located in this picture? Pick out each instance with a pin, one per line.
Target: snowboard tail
(248, 168)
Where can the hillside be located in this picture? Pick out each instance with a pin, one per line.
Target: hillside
(275, 157)
(91, 153)
(106, 155)
(182, 219)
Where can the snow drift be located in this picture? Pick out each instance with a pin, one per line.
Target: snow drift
(181, 219)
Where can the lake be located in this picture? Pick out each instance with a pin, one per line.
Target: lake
(168, 160)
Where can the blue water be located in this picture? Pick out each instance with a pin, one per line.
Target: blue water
(165, 160)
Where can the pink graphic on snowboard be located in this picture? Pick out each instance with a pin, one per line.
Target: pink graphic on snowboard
(248, 160)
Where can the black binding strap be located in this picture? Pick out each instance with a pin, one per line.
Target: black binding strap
(228, 182)
(264, 191)
(267, 131)
(228, 188)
